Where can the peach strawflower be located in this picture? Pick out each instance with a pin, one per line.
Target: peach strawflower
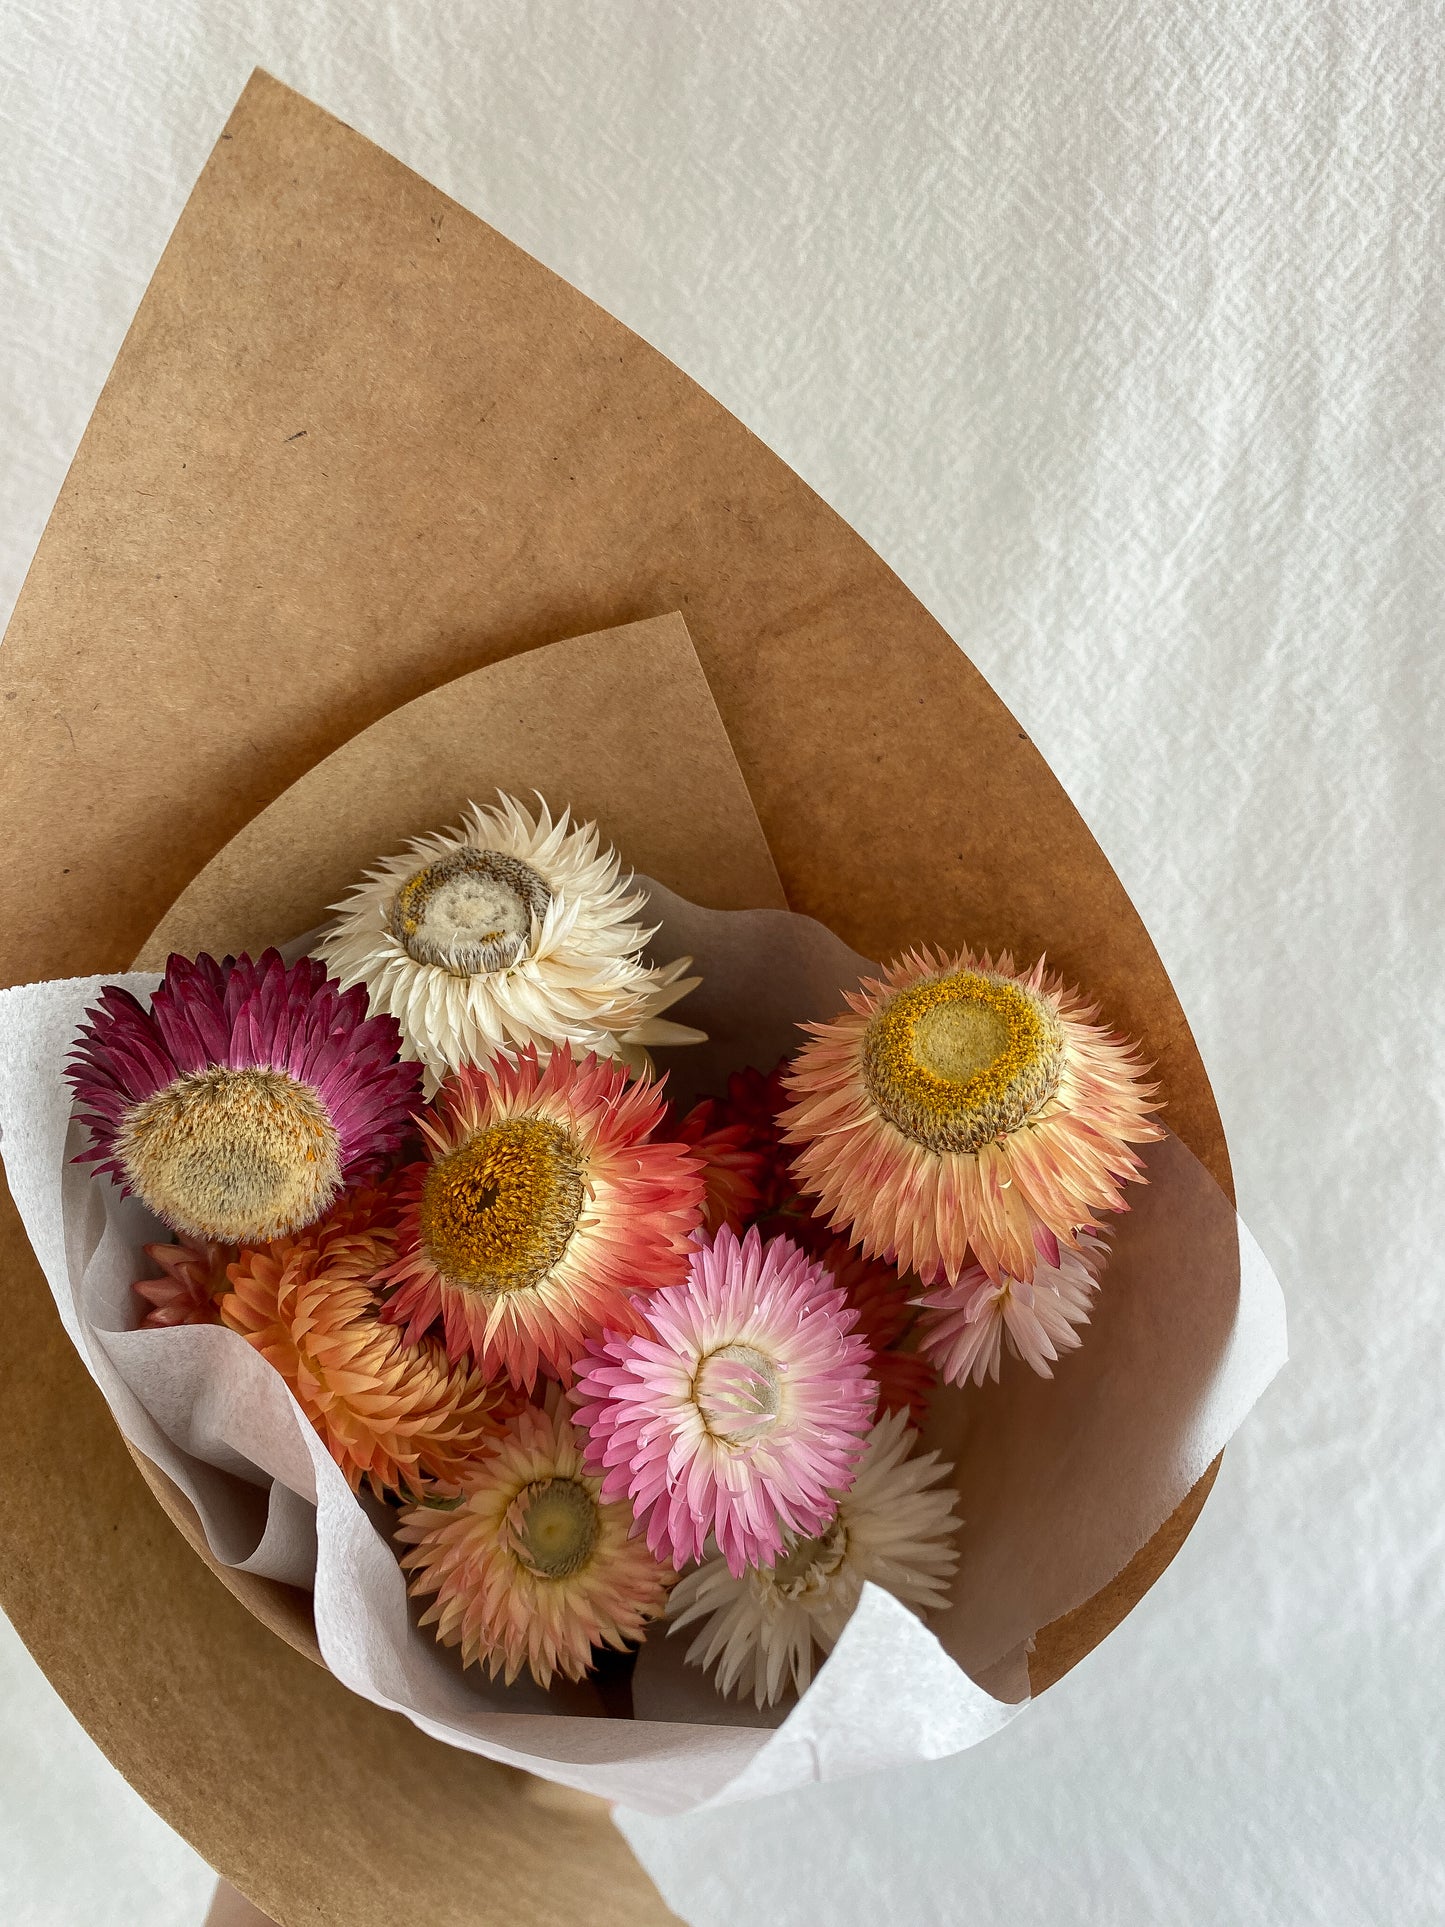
(533, 1568)
(545, 1209)
(963, 1327)
(741, 1411)
(959, 1106)
(395, 1416)
(191, 1285)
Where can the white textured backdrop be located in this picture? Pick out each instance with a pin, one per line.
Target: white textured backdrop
(1118, 331)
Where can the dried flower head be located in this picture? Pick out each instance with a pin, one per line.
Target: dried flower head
(963, 1327)
(741, 1410)
(545, 1209)
(894, 1526)
(400, 1418)
(533, 1568)
(239, 1104)
(956, 1106)
(507, 932)
(191, 1284)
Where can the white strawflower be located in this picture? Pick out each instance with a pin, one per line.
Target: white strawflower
(894, 1525)
(505, 932)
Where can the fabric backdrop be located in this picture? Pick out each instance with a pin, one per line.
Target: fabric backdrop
(1118, 331)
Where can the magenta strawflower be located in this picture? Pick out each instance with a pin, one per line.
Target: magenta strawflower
(742, 1414)
(242, 1101)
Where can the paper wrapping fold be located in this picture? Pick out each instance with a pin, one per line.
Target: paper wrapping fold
(487, 462)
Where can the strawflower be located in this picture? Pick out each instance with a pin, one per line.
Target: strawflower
(510, 931)
(894, 1526)
(544, 1213)
(959, 1107)
(239, 1104)
(399, 1418)
(191, 1284)
(963, 1327)
(740, 1412)
(534, 1568)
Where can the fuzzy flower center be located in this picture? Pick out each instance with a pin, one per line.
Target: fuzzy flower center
(808, 1566)
(961, 1060)
(552, 1527)
(738, 1391)
(470, 912)
(233, 1156)
(497, 1213)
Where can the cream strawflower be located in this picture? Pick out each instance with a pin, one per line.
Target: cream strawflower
(962, 1327)
(505, 932)
(894, 1526)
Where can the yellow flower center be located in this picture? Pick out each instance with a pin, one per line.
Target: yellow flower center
(470, 912)
(553, 1526)
(497, 1213)
(738, 1391)
(235, 1157)
(963, 1059)
(808, 1566)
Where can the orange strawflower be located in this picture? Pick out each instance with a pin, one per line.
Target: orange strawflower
(398, 1417)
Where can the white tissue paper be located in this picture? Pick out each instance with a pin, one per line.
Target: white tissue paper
(1060, 1482)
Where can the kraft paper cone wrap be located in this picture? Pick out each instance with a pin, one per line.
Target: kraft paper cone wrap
(356, 445)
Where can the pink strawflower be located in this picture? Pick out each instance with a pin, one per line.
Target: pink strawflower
(191, 1285)
(242, 1101)
(963, 1327)
(741, 1413)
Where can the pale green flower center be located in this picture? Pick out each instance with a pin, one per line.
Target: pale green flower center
(808, 1566)
(960, 1060)
(553, 1526)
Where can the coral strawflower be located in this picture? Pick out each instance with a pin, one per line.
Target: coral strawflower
(894, 1527)
(239, 1104)
(740, 1412)
(957, 1105)
(534, 1568)
(545, 1207)
(510, 930)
